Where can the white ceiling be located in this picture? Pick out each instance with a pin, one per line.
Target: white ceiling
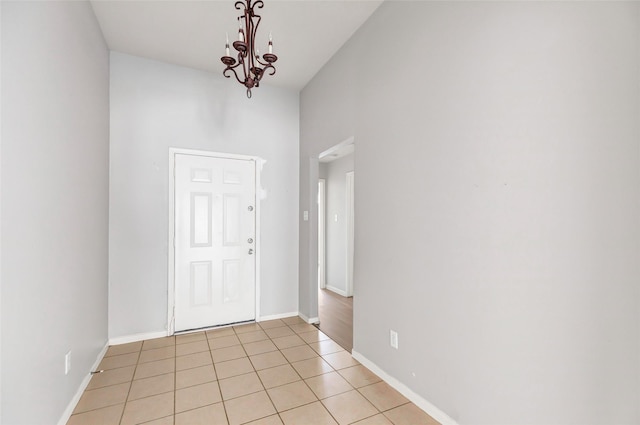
(306, 33)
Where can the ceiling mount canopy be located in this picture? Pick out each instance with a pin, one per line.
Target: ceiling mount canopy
(252, 66)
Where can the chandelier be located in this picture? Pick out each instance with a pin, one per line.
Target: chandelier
(252, 66)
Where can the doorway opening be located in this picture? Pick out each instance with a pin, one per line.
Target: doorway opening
(336, 188)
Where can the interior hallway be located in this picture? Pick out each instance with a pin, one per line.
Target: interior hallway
(336, 317)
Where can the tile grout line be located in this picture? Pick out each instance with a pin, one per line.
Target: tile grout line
(294, 369)
(302, 379)
(264, 388)
(175, 379)
(130, 384)
(256, 372)
(334, 370)
(289, 363)
(99, 388)
(305, 382)
(213, 364)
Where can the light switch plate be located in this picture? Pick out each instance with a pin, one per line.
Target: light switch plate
(393, 339)
(67, 363)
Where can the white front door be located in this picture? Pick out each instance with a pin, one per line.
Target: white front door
(214, 241)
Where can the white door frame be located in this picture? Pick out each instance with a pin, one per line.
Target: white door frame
(350, 230)
(171, 287)
(322, 238)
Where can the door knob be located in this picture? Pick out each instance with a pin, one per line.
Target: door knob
(250, 251)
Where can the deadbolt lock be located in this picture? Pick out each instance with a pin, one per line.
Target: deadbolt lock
(250, 208)
(250, 240)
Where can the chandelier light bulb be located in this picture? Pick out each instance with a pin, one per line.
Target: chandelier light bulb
(240, 30)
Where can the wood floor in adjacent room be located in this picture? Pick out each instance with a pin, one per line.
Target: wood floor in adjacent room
(268, 373)
(336, 317)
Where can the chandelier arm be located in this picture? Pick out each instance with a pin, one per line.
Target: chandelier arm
(271, 67)
(241, 61)
(254, 29)
(250, 39)
(245, 66)
(250, 44)
(232, 69)
(246, 69)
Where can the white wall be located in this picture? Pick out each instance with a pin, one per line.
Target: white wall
(336, 231)
(322, 126)
(322, 170)
(0, 211)
(497, 203)
(155, 106)
(55, 135)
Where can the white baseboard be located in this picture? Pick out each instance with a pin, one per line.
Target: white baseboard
(423, 404)
(83, 386)
(277, 316)
(337, 291)
(310, 320)
(136, 337)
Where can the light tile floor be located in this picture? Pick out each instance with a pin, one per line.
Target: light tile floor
(275, 372)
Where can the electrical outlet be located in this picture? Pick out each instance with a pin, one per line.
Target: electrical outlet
(67, 363)
(393, 339)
